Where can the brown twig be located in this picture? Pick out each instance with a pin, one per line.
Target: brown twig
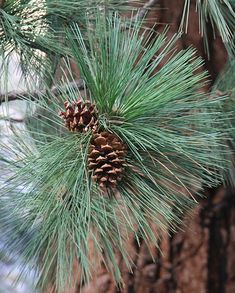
(145, 9)
(55, 90)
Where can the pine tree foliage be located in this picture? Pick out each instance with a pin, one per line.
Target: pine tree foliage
(226, 80)
(174, 138)
(34, 28)
(24, 31)
(220, 15)
(225, 85)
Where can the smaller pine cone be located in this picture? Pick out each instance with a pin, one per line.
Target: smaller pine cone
(106, 158)
(80, 116)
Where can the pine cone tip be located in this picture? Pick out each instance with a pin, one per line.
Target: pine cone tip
(80, 116)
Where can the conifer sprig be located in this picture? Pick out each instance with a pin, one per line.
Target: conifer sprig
(24, 30)
(174, 137)
(32, 29)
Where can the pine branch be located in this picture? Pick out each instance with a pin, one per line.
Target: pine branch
(27, 28)
(55, 90)
(147, 131)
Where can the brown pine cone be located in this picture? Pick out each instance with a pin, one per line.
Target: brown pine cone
(80, 116)
(106, 159)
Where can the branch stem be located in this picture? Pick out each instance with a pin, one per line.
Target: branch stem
(145, 9)
(55, 90)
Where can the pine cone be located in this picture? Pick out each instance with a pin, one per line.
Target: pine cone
(80, 116)
(106, 159)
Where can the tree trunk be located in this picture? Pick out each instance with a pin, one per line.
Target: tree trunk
(201, 257)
